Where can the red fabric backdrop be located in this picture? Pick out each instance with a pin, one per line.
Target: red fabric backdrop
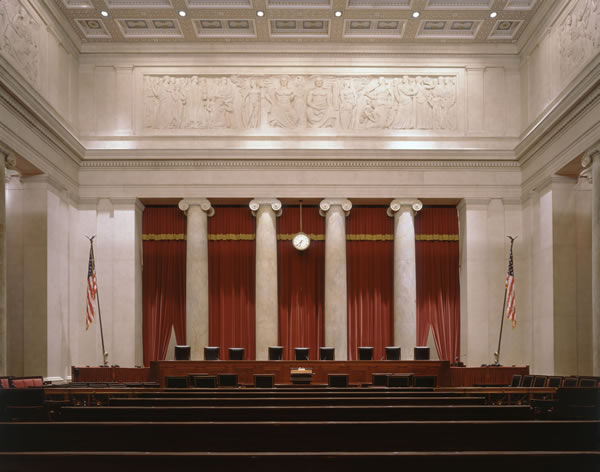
(163, 280)
(301, 282)
(438, 291)
(231, 265)
(370, 269)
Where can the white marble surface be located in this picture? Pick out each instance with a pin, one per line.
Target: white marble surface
(595, 156)
(336, 285)
(196, 292)
(266, 210)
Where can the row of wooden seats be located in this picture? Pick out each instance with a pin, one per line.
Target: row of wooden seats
(21, 382)
(303, 436)
(490, 461)
(297, 401)
(554, 381)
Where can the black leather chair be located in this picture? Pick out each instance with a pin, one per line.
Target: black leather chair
(337, 380)
(176, 381)
(236, 353)
(211, 353)
(554, 381)
(264, 380)
(204, 381)
(540, 381)
(392, 353)
(379, 380)
(516, 380)
(527, 381)
(327, 353)
(421, 353)
(227, 380)
(425, 381)
(275, 353)
(183, 352)
(365, 353)
(301, 353)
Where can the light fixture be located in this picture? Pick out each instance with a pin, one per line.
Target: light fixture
(104, 13)
(416, 14)
(260, 13)
(182, 13)
(493, 14)
(338, 13)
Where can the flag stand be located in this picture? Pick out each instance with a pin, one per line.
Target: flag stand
(497, 353)
(104, 353)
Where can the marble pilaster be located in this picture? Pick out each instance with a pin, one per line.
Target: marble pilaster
(592, 158)
(197, 211)
(336, 303)
(405, 275)
(266, 210)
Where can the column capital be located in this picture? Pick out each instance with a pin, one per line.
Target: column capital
(327, 203)
(274, 203)
(203, 203)
(397, 204)
(586, 162)
(10, 160)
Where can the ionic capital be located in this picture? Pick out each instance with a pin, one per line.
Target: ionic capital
(327, 203)
(397, 204)
(203, 203)
(10, 161)
(256, 203)
(590, 155)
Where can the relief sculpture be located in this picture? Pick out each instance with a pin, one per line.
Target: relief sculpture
(419, 102)
(579, 36)
(19, 38)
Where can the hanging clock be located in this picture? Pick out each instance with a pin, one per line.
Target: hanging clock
(301, 240)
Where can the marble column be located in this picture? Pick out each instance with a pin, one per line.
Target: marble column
(592, 158)
(266, 210)
(335, 212)
(196, 286)
(405, 275)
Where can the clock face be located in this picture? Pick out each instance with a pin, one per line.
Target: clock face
(301, 241)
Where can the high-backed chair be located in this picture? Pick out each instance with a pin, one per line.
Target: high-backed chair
(327, 353)
(337, 380)
(176, 381)
(275, 353)
(425, 380)
(421, 353)
(570, 382)
(516, 380)
(264, 380)
(586, 382)
(204, 381)
(540, 381)
(400, 380)
(211, 353)
(379, 380)
(392, 353)
(527, 381)
(227, 380)
(301, 353)
(554, 381)
(183, 352)
(365, 353)
(236, 353)
(4, 382)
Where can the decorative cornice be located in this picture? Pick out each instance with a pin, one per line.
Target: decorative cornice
(203, 203)
(274, 203)
(396, 205)
(327, 203)
(293, 163)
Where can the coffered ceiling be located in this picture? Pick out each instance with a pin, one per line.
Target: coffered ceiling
(383, 21)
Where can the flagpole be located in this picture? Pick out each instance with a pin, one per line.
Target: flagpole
(104, 353)
(497, 353)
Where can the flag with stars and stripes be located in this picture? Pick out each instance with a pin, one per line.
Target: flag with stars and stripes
(510, 291)
(92, 291)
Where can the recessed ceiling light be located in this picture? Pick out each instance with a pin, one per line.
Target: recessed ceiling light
(182, 13)
(260, 13)
(416, 14)
(493, 14)
(338, 13)
(104, 13)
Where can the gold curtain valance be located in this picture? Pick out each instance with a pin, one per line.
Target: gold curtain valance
(289, 237)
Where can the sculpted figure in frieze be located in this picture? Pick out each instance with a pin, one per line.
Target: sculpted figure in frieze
(19, 38)
(319, 111)
(579, 35)
(284, 102)
(302, 102)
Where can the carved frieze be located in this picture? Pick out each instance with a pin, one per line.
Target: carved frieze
(301, 102)
(20, 38)
(579, 35)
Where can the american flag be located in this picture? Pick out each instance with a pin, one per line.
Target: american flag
(510, 290)
(92, 290)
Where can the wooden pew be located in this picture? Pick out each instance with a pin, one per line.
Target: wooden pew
(490, 461)
(298, 413)
(316, 436)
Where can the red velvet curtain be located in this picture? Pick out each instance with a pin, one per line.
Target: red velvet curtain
(370, 269)
(231, 266)
(301, 282)
(438, 290)
(163, 280)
